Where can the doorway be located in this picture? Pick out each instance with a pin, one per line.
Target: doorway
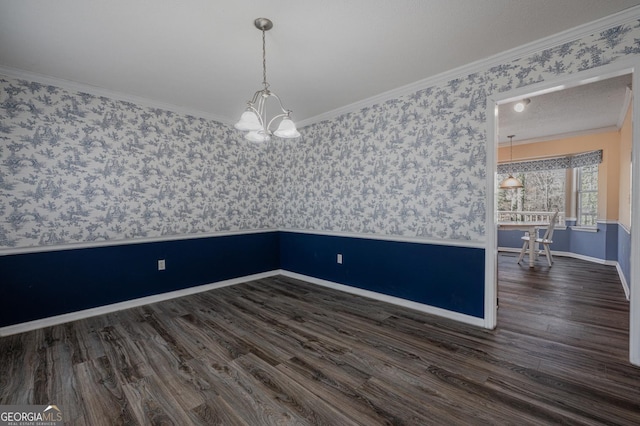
(493, 137)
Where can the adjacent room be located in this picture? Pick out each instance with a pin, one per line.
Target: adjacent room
(298, 213)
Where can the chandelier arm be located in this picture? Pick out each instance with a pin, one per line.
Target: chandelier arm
(284, 114)
(284, 110)
(255, 97)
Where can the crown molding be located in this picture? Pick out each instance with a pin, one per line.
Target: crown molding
(549, 42)
(567, 135)
(73, 86)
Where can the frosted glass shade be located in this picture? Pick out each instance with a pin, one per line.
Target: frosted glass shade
(257, 136)
(511, 183)
(287, 129)
(249, 121)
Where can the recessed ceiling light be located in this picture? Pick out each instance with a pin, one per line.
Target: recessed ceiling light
(519, 107)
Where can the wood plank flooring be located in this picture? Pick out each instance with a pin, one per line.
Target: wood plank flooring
(281, 351)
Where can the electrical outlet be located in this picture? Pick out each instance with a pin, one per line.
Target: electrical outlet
(161, 265)
(339, 260)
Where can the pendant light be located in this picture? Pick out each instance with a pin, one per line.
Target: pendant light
(511, 182)
(254, 119)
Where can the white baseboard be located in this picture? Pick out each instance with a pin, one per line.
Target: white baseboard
(106, 309)
(467, 319)
(100, 310)
(625, 285)
(623, 280)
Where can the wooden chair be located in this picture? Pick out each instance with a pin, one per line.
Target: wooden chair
(546, 240)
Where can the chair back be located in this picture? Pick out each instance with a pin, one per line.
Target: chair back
(552, 224)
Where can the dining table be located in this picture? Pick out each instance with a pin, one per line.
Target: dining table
(532, 228)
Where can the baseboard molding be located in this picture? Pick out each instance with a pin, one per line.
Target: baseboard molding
(456, 316)
(625, 285)
(106, 309)
(101, 310)
(565, 254)
(623, 280)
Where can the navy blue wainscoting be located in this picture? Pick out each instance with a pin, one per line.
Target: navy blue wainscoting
(447, 277)
(39, 285)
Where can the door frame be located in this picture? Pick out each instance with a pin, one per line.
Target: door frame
(629, 66)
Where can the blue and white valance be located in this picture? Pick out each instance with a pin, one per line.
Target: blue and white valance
(566, 162)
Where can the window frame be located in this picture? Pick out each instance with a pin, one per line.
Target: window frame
(579, 191)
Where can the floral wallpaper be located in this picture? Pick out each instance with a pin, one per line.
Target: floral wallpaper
(78, 168)
(414, 166)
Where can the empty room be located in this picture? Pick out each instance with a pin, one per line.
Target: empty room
(363, 212)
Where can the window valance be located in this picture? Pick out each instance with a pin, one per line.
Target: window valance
(565, 162)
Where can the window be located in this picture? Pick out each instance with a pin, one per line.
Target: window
(587, 195)
(544, 191)
(546, 182)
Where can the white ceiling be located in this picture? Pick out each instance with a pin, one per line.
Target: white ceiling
(205, 56)
(594, 107)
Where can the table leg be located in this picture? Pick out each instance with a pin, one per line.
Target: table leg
(533, 234)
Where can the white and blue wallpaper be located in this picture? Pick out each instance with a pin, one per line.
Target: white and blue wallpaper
(79, 168)
(414, 166)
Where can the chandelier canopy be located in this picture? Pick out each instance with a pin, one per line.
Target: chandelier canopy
(254, 119)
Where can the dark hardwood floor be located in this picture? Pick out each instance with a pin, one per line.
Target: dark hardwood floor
(281, 351)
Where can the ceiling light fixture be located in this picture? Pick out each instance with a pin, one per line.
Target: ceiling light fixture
(254, 118)
(511, 182)
(519, 107)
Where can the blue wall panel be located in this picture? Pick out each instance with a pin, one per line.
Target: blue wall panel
(447, 277)
(40, 285)
(602, 244)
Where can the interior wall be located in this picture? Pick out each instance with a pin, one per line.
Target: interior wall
(608, 170)
(78, 168)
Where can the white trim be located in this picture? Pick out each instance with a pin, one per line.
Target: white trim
(491, 220)
(73, 86)
(581, 228)
(628, 94)
(567, 135)
(634, 285)
(127, 304)
(398, 238)
(623, 280)
(94, 244)
(428, 309)
(623, 17)
(106, 309)
(624, 227)
(565, 254)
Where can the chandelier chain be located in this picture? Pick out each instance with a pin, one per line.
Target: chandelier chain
(264, 62)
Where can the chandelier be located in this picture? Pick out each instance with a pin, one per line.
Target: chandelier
(254, 119)
(511, 182)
